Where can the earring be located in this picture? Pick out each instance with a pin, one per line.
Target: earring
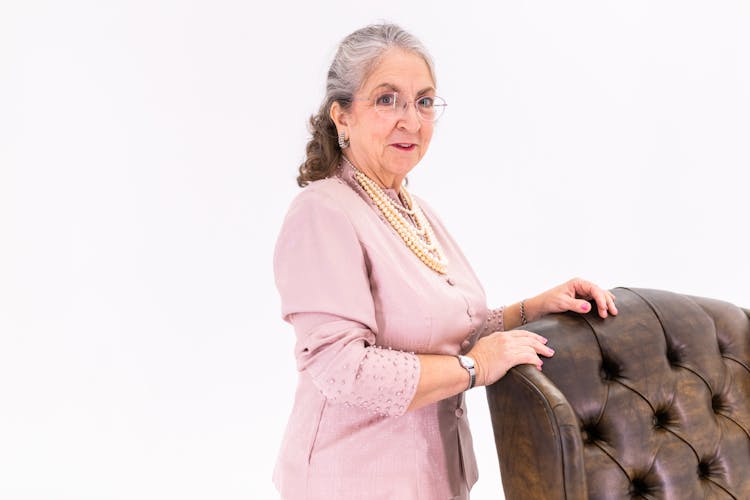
(343, 141)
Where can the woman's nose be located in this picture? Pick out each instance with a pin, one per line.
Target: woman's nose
(409, 119)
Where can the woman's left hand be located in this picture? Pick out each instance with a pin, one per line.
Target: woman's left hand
(572, 295)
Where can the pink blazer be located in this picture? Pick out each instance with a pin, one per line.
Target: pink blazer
(362, 304)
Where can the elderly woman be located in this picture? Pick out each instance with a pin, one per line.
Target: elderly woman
(392, 324)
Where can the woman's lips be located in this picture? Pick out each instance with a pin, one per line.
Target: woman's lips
(404, 146)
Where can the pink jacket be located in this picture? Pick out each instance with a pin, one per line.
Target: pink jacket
(362, 304)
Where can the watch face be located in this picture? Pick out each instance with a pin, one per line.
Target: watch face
(466, 361)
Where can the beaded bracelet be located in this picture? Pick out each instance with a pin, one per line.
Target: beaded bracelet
(523, 312)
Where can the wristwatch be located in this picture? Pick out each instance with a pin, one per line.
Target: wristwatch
(468, 363)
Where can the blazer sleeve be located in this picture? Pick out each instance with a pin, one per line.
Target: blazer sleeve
(322, 274)
(493, 323)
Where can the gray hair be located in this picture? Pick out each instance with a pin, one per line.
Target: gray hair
(357, 56)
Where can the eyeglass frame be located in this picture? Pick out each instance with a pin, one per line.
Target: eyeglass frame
(373, 101)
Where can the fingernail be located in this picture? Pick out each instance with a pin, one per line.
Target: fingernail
(585, 307)
(551, 352)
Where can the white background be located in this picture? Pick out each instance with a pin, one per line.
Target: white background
(148, 152)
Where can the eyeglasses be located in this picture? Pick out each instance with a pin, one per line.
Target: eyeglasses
(391, 105)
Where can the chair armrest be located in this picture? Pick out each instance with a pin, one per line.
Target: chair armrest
(537, 437)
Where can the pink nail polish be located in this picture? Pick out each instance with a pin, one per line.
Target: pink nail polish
(585, 307)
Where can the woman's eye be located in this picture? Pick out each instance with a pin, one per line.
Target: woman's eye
(386, 100)
(426, 102)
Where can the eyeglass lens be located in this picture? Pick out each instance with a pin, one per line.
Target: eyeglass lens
(428, 108)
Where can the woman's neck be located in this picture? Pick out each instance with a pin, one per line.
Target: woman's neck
(383, 179)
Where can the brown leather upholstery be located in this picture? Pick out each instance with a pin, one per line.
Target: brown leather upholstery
(652, 403)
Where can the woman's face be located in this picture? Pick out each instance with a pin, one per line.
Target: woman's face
(386, 146)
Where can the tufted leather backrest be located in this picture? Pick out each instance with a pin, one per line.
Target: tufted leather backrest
(652, 403)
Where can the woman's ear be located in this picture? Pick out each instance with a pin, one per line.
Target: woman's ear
(339, 116)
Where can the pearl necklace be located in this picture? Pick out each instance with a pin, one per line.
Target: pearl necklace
(420, 239)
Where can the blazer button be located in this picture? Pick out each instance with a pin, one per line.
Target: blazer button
(450, 281)
(459, 412)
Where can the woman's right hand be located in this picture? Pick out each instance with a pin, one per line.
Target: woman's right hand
(498, 352)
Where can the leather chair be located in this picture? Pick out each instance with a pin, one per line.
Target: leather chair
(652, 403)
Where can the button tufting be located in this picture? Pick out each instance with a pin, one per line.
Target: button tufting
(704, 469)
(661, 419)
(672, 356)
(610, 370)
(638, 486)
(585, 437)
(722, 349)
(717, 403)
(590, 433)
(450, 281)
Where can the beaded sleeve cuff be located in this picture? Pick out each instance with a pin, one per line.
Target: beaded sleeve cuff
(385, 382)
(494, 321)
